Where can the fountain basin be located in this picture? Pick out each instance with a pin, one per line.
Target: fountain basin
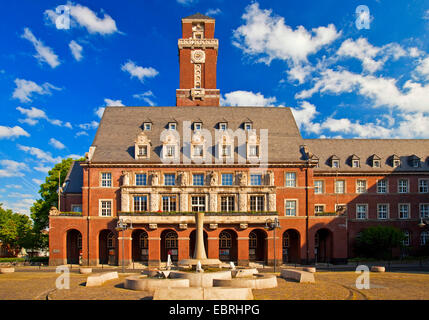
(244, 272)
(204, 262)
(204, 280)
(256, 281)
(142, 283)
(203, 294)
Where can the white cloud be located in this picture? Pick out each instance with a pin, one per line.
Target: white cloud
(40, 154)
(304, 117)
(186, 2)
(12, 132)
(44, 53)
(86, 18)
(145, 97)
(423, 68)
(213, 12)
(13, 186)
(246, 98)
(426, 15)
(109, 103)
(268, 37)
(56, 144)
(74, 156)
(76, 50)
(300, 72)
(11, 168)
(34, 114)
(414, 97)
(37, 181)
(138, 72)
(81, 133)
(88, 126)
(25, 89)
(21, 206)
(362, 50)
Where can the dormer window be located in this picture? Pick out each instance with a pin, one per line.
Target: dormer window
(172, 125)
(396, 161)
(147, 126)
(247, 126)
(141, 146)
(198, 126)
(253, 151)
(223, 126)
(415, 161)
(355, 163)
(335, 162)
(376, 163)
(197, 150)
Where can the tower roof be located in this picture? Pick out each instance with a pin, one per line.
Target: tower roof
(198, 16)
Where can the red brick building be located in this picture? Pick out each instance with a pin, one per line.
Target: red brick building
(153, 167)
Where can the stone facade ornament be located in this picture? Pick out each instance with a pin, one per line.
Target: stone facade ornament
(183, 178)
(242, 178)
(271, 178)
(213, 226)
(54, 211)
(213, 178)
(183, 226)
(272, 202)
(243, 225)
(153, 226)
(125, 178)
(125, 202)
(154, 178)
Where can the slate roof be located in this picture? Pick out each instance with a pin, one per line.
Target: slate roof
(74, 178)
(198, 16)
(120, 126)
(324, 149)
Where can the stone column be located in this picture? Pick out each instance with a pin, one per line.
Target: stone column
(200, 252)
(272, 202)
(154, 201)
(125, 201)
(183, 202)
(242, 202)
(243, 251)
(213, 202)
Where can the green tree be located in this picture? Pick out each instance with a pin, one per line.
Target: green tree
(378, 242)
(48, 198)
(15, 229)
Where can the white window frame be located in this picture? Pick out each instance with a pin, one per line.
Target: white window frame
(336, 162)
(105, 180)
(168, 147)
(147, 202)
(76, 205)
(366, 211)
(169, 196)
(323, 206)
(230, 206)
(257, 203)
(290, 183)
(147, 126)
(340, 204)
(169, 174)
(387, 211)
(386, 186)
(427, 185)
(407, 186)
(198, 126)
(355, 163)
(358, 187)
(322, 189)
(172, 126)
(194, 146)
(407, 240)
(199, 205)
(336, 189)
(247, 126)
(295, 207)
(223, 126)
(420, 210)
(374, 163)
(100, 207)
(250, 154)
(140, 155)
(140, 173)
(426, 241)
(396, 163)
(408, 211)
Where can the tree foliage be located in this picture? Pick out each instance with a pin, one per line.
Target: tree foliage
(48, 198)
(15, 230)
(378, 242)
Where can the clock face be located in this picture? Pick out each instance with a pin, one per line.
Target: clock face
(198, 56)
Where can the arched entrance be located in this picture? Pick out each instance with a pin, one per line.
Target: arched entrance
(257, 245)
(107, 253)
(228, 246)
(74, 246)
(169, 244)
(192, 243)
(323, 246)
(291, 246)
(140, 246)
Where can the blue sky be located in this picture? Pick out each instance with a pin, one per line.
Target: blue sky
(341, 81)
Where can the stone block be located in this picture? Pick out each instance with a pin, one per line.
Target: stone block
(378, 269)
(100, 278)
(203, 294)
(6, 270)
(85, 270)
(298, 275)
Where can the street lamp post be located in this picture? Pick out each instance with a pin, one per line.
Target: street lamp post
(122, 226)
(273, 225)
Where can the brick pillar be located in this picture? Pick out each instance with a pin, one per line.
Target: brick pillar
(243, 251)
(154, 244)
(124, 247)
(183, 250)
(213, 247)
(270, 248)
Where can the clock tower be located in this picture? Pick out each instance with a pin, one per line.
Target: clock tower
(197, 59)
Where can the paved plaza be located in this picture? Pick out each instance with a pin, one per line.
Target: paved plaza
(32, 284)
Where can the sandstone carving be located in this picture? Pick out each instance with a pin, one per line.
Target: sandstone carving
(213, 178)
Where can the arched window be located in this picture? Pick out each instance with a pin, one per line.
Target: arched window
(111, 240)
(79, 241)
(171, 240)
(407, 237)
(224, 240)
(253, 239)
(286, 240)
(424, 238)
(143, 240)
